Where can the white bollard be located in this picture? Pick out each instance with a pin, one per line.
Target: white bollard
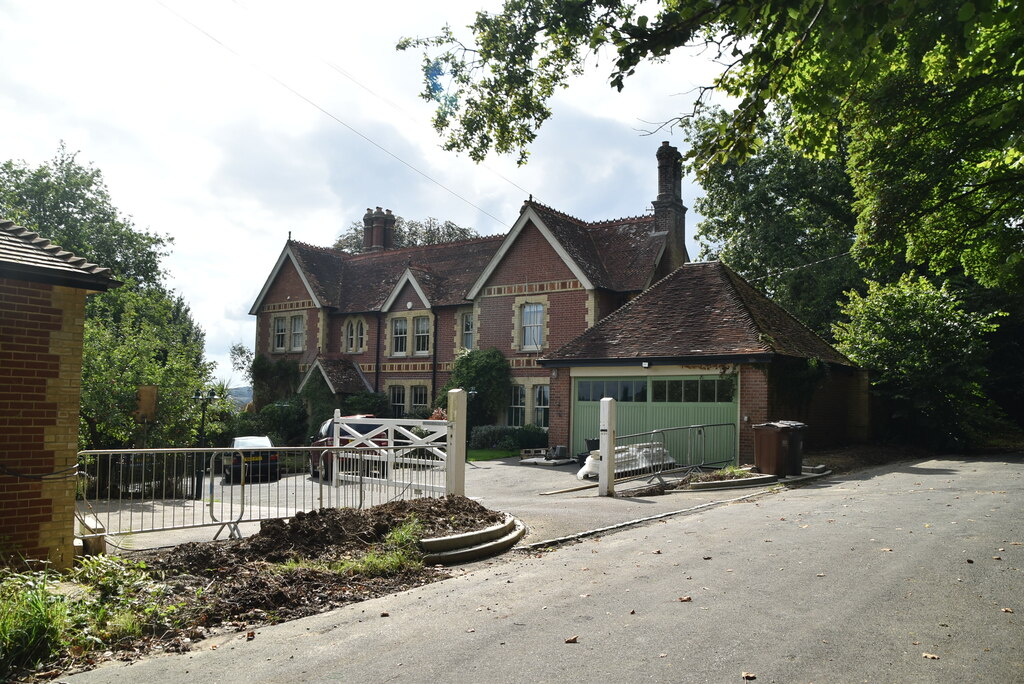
(455, 480)
(606, 469)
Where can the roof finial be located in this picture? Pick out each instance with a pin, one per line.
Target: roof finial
(289, 236)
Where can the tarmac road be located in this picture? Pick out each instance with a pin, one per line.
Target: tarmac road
(849, 580)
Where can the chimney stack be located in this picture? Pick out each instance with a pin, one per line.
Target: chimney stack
(377, 242)
(368, 230)
(669, 212)
(389, 229)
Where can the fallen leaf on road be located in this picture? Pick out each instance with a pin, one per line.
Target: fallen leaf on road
(1007, 610)
(470, 630)
(250, 636)
(632, 612)
(213, 647)
(886, 549)
(1016, 543)
(685, 599)
(820, 574)
(385, 614)
(997, 558)
(657, 551)
(916, 643)
(584, 595)
(969, 560)
(572, 639)
(930, 656)
(707, 557)
(663, 655)
(749, 676)
(1000, 549)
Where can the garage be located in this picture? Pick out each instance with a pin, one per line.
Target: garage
(656, 402)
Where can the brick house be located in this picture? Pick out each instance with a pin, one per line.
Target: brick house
(702, 347)
(392, 320)
(42, 313)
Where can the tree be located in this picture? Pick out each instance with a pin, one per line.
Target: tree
(936, 83)
(69, 204)
(139, 334)
(781, 220)
(430, 231)
(927, 353)
(485, 374)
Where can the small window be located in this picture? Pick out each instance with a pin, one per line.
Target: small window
(350, 337)
(541, 401)
(280, 333)
(707, 390)
(419, 397)
(533, 326)
(421, 334)
(517, 407)
(467, 331)
(397, 394)
(298, 333)
(399, 336)
(360, 335)
(691, 390)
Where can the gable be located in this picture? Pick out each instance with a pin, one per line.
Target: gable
(285, 281)
(530, 258)
(407, 294)
(529, 217)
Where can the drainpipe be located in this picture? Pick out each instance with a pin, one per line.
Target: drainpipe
(433, 357)
(376, 371)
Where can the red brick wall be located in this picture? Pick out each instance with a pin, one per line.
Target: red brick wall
(40, 384)
(561, 409)
(753, 407)
(287, 296)
(531, 259)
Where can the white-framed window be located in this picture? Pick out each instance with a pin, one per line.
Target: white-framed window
(532, 325)
(298, 333)
(419, 397)
(517, 406)
(397, 395)
(467, 330)
(354, 333)
(541, 403)
(399, 336)
(421, 335)
(280, 333)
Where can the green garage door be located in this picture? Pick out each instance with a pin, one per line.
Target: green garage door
(656, 403)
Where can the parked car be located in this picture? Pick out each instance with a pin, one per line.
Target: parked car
(321, 462)
(259, 465)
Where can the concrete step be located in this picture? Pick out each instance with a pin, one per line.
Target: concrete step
(484, 549)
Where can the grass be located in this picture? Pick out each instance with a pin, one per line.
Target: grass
(490, 454)
(727, 473)
(398, 553)
(49, 617)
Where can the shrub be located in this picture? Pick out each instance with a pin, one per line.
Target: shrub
(507, 437)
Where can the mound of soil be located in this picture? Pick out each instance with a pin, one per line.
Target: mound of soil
(240, 584)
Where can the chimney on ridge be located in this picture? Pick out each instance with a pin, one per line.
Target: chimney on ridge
(669, 212)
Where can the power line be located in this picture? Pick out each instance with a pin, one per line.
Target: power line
(324, 111)
(796, 268)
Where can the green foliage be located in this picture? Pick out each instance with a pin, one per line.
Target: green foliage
(926, 353)
(398, 553)
(929, 94)
(46, 617)
(405, 233)
(68, 203)
(33, 622)
(507, 437)
(139, 334)
(272, 381)
(781, 220)
(141, 337)
(487, 377)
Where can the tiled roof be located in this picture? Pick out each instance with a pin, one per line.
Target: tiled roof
(445, 271)
(344, 376)
(26, 255)
(617, 255)
(701, 310)
(322, 267)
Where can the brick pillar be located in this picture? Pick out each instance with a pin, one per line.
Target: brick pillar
(41, 370)
(560, 408)
(753, 407)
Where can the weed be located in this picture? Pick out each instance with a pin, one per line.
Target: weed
(397, 553)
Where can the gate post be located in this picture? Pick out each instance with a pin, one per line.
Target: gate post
(606, 469)
(455, 462)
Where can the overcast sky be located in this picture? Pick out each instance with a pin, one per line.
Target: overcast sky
(230, 123)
